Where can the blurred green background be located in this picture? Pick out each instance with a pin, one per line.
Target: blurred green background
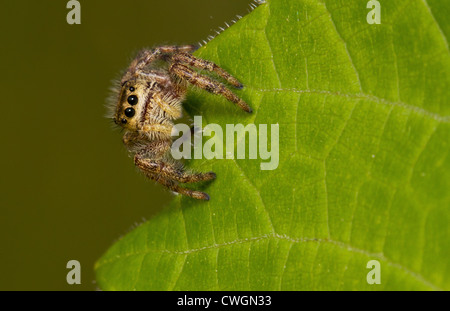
(68, 187)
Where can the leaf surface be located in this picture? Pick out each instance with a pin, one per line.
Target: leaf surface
(364, 165)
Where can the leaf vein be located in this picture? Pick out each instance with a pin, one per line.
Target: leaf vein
(345, 45)
(376, 99)
(275, 236)
(444, 38)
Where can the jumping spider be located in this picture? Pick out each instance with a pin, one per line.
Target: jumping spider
(149, 100)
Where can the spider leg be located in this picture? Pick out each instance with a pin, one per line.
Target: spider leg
(168, 171)
(145, 57)
(171, 49)
(191, 60)
(185, 191)
(168, 176)
(207, 83)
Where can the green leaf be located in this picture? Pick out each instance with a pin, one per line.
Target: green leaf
(364, 165)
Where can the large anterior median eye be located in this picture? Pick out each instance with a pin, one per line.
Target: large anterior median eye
(129, 112)
(132, 99)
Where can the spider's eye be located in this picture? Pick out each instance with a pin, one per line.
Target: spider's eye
(131, 89)
(124, 121)
(129, 112)
(132, 99)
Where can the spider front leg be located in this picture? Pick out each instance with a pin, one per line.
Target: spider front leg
(207, 83)
(191, 60)
(169, 175)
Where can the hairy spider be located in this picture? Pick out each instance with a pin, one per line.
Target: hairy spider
(149, 99)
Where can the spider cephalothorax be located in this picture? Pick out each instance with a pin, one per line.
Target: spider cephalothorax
(150, 99)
